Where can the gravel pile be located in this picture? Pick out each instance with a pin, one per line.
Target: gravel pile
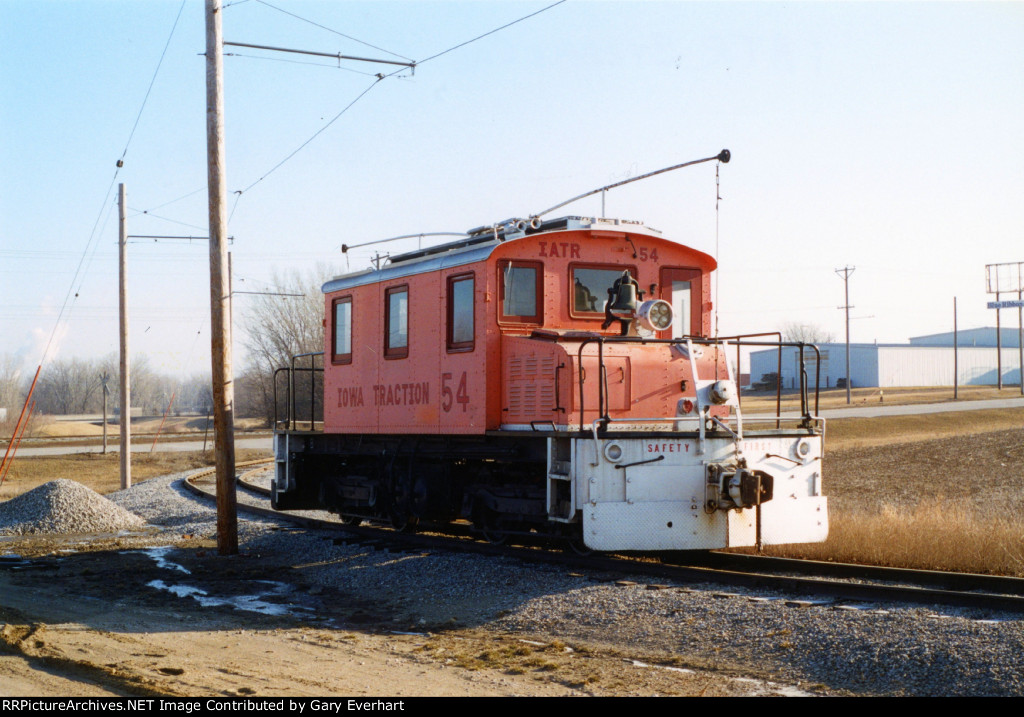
(868, 650)
(64, 506)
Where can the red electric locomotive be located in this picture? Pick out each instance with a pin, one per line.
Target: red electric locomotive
(547, 377)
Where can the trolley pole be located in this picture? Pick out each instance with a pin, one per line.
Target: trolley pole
(845, 273)
(126, 396)
(220, 292)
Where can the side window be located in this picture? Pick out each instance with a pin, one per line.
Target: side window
(396, 322)
(590, 286)
(342, 331)
(522, 298)
(460, 313)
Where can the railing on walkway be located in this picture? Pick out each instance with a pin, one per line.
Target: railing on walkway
(303, 394)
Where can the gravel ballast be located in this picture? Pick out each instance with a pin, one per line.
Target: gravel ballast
(63, 506)
(821, 648)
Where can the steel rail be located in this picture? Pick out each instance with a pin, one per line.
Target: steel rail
(751, 572)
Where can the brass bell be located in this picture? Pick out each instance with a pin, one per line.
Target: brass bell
(624, 292)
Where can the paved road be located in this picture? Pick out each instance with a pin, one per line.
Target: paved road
(864, 411)
(880, 409)
(112, 447)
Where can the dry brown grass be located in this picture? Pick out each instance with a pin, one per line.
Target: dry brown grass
(49, 427)
(935, 534)
(101, 472)
(935, 491)
(887, 430)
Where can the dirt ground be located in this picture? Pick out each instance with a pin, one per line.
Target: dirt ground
(79, 620)
(83, 623)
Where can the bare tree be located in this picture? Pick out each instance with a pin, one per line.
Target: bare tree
(68, 387)
(806, 333)
(11, 395)
(195, 394)
(279, 327)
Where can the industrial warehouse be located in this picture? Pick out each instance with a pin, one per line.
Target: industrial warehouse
(978, 356)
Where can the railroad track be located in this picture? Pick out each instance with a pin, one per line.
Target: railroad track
(811, 582)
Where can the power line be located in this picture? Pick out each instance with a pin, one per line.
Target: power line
(79, 271)
(304, 144)
(149, 213)
(161, 206)
(378, 79)
(151, 83)
(298, 62)
(336, 32)
(497, 29)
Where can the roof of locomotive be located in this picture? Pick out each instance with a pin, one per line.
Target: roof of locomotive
(477, 245)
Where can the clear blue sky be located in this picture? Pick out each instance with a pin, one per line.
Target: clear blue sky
(884, 136)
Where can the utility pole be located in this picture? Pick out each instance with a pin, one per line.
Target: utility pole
(845, 273)
(999, 349)
(956, 356)
(106, 392)
(220, 293)
(126, 396)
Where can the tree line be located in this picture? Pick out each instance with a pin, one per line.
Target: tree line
(75, 386)
(275, 327)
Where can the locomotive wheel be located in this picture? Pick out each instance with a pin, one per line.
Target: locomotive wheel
(403, 522)
(488, 524)
(494, 537)
(577, 546)
(574, 541)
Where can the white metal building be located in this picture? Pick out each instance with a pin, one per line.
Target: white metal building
(891, 365)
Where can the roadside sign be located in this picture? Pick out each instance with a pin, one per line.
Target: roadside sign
(1016, 304)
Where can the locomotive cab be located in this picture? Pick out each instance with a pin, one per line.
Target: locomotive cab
(554, 378)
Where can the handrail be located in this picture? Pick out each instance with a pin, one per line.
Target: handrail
(741, 340)
(291, 420)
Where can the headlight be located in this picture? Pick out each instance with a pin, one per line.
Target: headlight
(655, 315)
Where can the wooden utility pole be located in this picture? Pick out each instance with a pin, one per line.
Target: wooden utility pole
(106, 392)
(956, 356)
(126, 396)
(845, 273)
(999, 349)
(220, 292)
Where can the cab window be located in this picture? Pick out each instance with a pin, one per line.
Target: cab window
(590, 285)
(521, 296)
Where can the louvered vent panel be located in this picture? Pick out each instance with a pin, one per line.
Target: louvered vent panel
(530, 388)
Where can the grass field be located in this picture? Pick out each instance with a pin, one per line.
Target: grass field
(939, 491)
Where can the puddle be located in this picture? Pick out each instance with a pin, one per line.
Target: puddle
(159, 557)
(775, 688)
(249, 603)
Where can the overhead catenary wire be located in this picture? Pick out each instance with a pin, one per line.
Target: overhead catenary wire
(379, 78)
(151, 83)
(300, 62)
(497, 29)
(89, 251)
(328, 29)
(172, 221)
